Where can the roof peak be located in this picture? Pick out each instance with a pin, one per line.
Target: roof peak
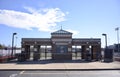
(61, 31)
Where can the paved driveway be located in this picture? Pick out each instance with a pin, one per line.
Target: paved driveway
(108, 73)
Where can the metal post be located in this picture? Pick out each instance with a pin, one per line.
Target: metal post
(105, 39)
(13, 43)
(117, 29)
(105, 51)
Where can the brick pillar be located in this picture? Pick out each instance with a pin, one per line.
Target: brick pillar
(53, 51)
(36, 54)
(39, 51)
(96, 52)
(21, 57)
(70, 48)
(45, 51)
(69, 53)
(84, 51)
(27, 51)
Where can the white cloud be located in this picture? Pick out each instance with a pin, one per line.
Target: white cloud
(73, 31)
(43, 19)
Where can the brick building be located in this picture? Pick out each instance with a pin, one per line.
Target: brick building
(61, 43)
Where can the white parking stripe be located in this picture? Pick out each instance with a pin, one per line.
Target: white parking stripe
(21, 72)
(13, 75)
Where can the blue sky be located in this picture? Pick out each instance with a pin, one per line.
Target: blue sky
(38, 18)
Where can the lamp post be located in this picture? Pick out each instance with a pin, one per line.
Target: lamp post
(117, 29)
(13, 42)
(105, 38)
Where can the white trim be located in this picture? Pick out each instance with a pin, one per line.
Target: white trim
(54, 40)
(61, 43)
(69, 35)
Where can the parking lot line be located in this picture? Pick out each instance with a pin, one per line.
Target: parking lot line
(21, 72)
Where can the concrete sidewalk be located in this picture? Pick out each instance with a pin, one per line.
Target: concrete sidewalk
(43, 65)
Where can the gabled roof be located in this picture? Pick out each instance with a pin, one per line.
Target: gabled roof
(61, 32)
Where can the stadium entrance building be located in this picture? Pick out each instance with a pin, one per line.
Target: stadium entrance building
(61, 45)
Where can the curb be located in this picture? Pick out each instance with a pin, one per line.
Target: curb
(59, 69)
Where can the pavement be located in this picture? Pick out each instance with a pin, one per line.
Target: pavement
(60, 65)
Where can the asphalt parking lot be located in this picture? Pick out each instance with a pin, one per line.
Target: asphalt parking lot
(75, 68)
(99, 73)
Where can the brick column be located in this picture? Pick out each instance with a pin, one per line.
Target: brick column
(27, 52)
(36, 54)
(53, 50)
(21, 57)
(84, 51)
(96, 52)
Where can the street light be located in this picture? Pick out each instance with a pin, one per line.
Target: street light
(117, 29)
(105, 38)
(13, 42)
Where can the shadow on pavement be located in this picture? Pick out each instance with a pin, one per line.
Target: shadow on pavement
(48, 61)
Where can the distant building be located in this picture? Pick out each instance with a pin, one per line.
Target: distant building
(61, 43)
(115, 47)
